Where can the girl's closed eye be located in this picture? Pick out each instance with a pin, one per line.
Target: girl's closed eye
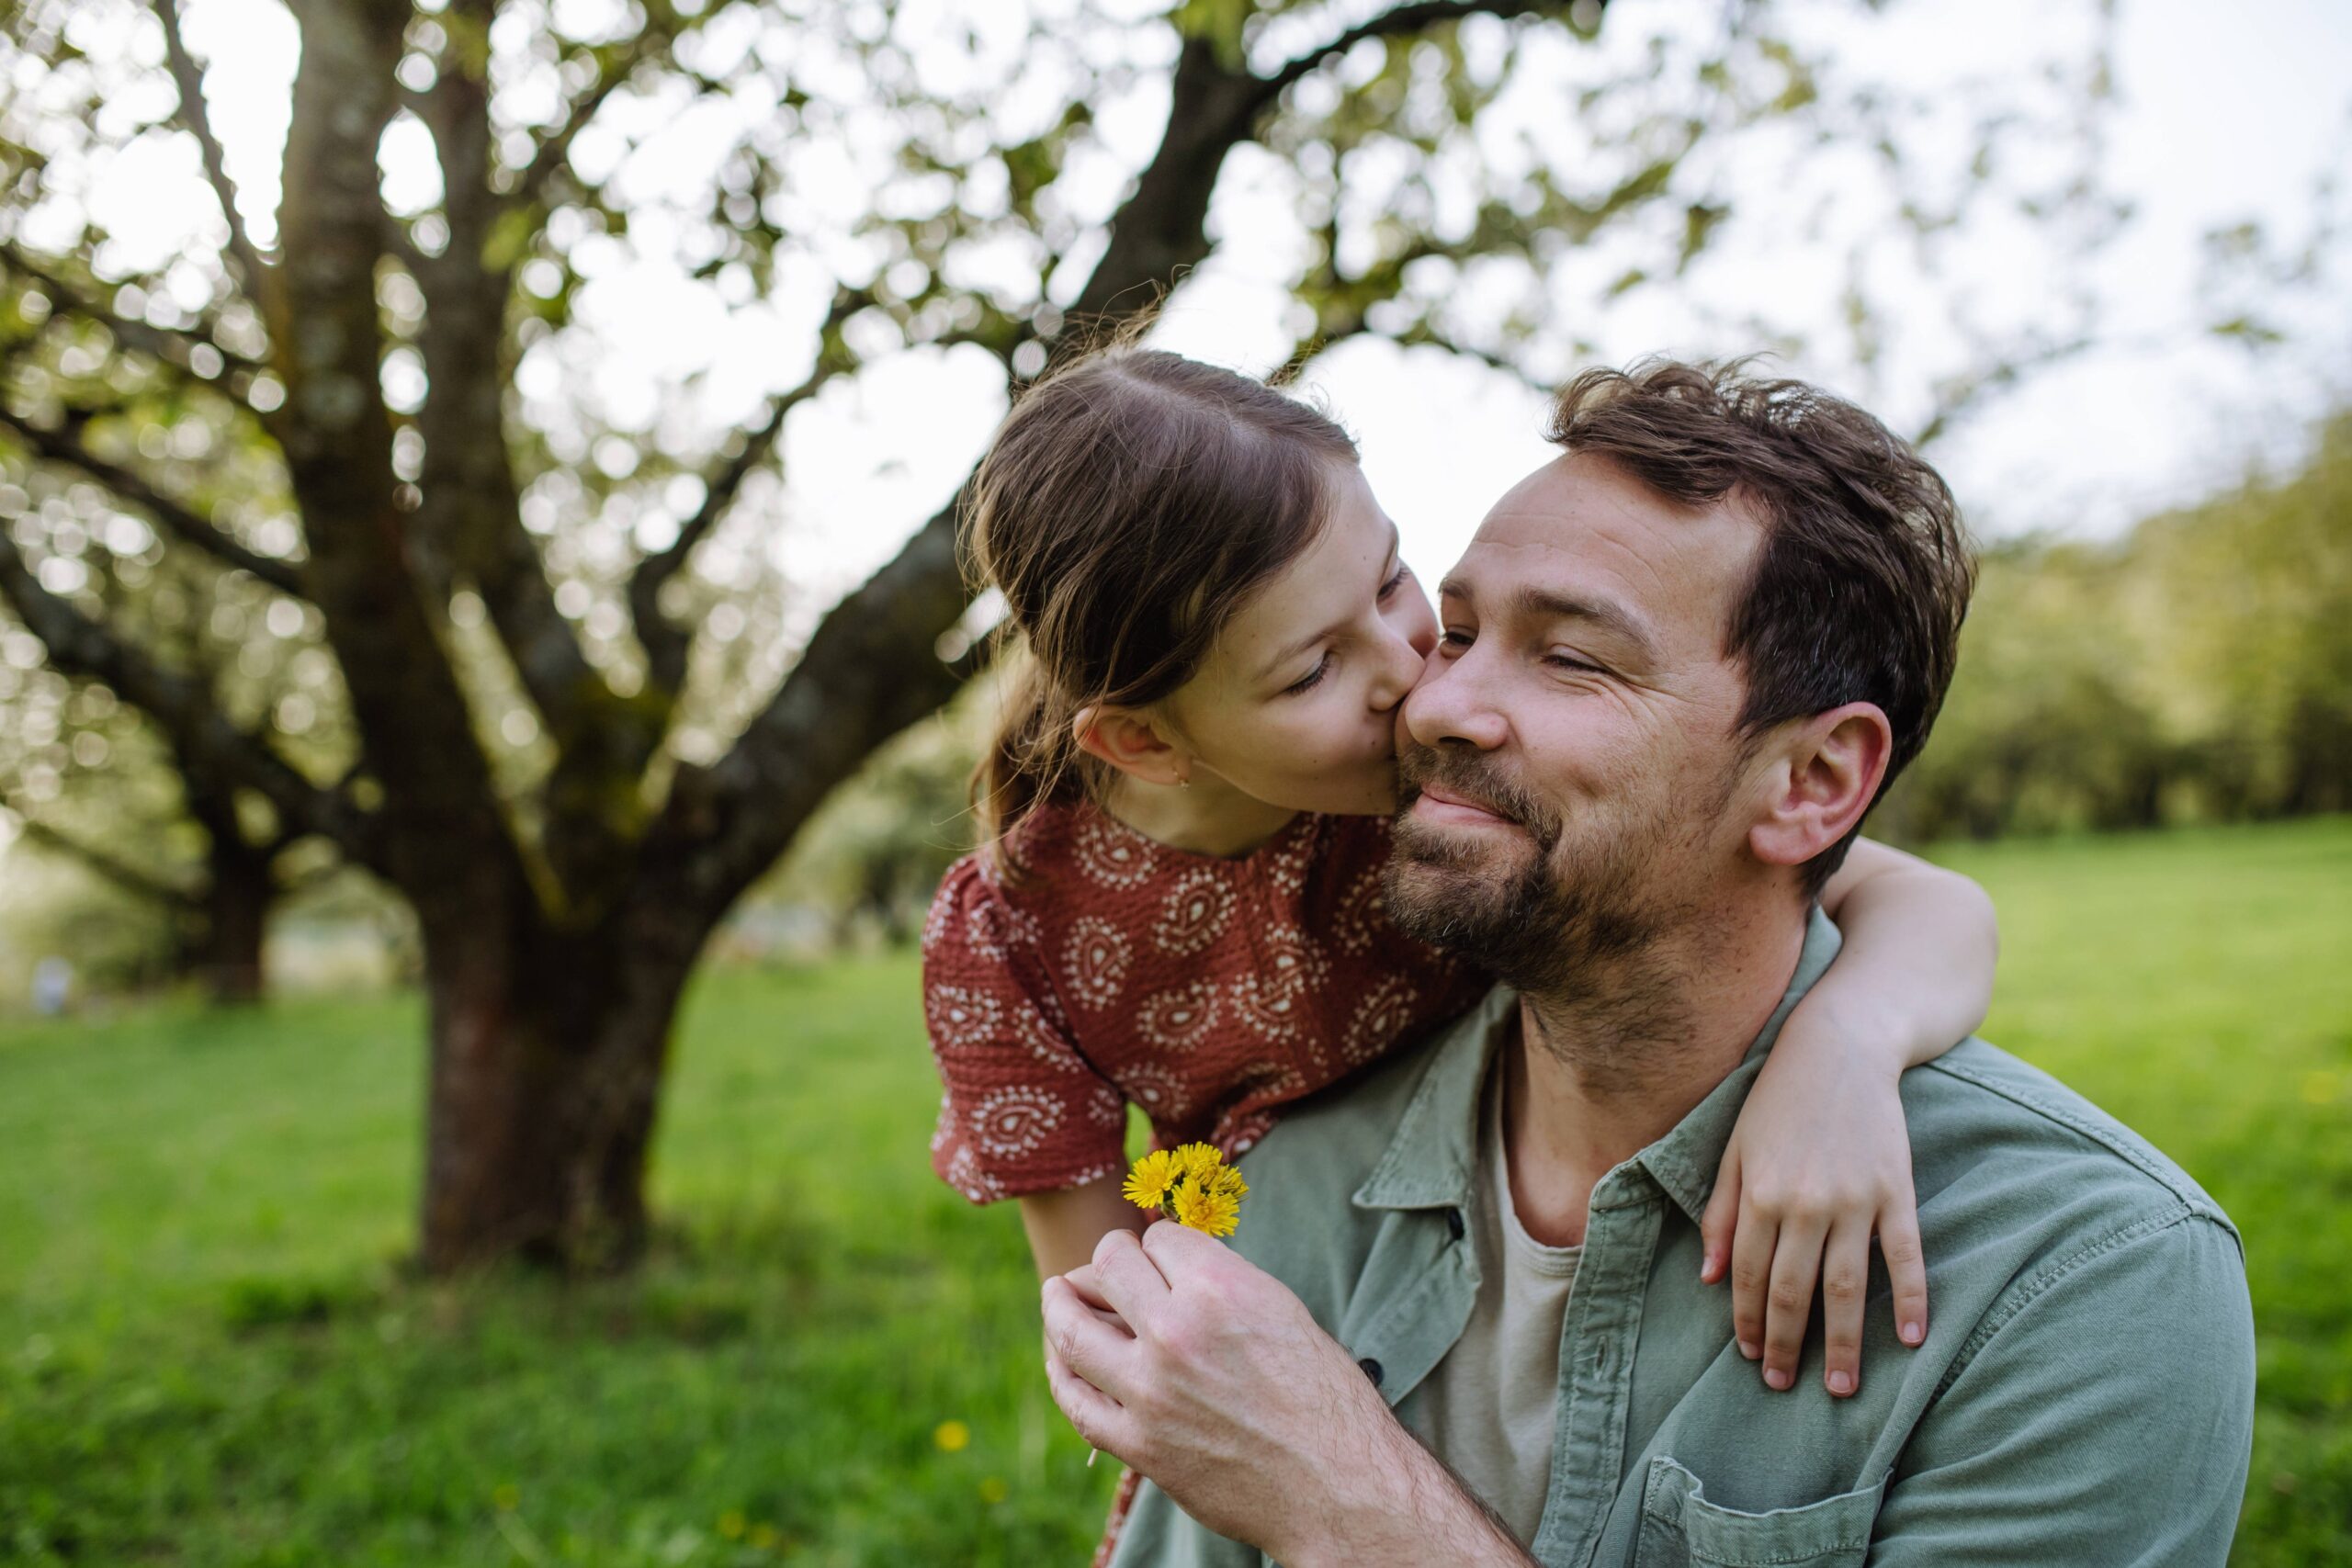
(1312, 678)
(1396, 581)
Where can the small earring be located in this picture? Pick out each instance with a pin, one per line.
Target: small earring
(1184, 782)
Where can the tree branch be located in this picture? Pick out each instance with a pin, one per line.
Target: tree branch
(59, 447)
(121, 872)
(1410, 18)
(530, 181)
(169, 345)
(1956, 395)
(183, 707)
(254, 276)
(666, 646)
(870, 670)
(471, 503)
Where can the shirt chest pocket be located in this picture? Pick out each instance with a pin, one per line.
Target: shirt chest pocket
(1680, 1527)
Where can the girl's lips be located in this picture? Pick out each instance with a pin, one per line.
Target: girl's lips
(1437, 805)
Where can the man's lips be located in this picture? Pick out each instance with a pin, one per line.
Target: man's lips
(1440, 805)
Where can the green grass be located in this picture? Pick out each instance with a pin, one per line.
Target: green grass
(209, 1353)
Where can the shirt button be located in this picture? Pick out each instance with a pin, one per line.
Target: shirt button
(1453, 1225)
(1370, 1370)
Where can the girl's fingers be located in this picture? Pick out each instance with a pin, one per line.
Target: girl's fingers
(1083, 1280)
(1845, 1278)
(1906, 1266)
(1098, 1417)
(1719, 1219)
(1796, 1263)
(1125, 1278)
(1751, 1277)
(1084, 1337)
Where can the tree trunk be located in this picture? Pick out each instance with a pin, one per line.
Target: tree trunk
(546, 1056)
(225, 950)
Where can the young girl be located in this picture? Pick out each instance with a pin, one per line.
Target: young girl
(1177, 905)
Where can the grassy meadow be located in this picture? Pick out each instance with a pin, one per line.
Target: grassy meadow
(210, 1353)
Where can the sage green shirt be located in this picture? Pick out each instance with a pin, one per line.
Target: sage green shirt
(2084, 1396)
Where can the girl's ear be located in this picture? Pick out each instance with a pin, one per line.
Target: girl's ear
(1132, 743)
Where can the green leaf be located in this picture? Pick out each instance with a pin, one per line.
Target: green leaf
(509, 238)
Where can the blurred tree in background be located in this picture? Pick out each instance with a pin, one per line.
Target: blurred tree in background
(2197, 669)
(327, 526)
(874, 855)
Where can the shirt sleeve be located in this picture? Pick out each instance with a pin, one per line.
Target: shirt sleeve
(1023, 1111)
(2075, 1435)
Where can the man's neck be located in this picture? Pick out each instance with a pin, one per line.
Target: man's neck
(1591, 1079)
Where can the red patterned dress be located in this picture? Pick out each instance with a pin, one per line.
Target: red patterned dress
(1211, 992)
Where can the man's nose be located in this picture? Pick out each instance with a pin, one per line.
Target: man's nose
(1452, 704)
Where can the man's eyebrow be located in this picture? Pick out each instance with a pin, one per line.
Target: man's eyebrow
(1303, 644)
(1543, 604)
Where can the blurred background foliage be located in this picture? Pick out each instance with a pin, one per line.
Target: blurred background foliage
(2197, 669)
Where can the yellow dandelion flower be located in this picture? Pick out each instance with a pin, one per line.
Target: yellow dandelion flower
(1197, 1160)
(1226, 1181)
(952, 1436)
(731, 1524)
(1154, 1174)
(1207, 1210)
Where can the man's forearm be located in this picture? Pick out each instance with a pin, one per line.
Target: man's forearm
(1403, 1508)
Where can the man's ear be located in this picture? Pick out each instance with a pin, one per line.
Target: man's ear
(1132, 743)
(1823, 775)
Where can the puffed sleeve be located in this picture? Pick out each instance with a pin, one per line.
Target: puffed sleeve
(1023, 1111)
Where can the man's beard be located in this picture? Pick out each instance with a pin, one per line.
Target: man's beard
(1581, 921)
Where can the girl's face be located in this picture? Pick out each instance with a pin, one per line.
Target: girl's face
(1296, 706)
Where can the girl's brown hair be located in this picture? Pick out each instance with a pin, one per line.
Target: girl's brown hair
(1128, 508)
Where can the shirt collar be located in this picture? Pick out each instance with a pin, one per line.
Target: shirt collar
(1431, 1159)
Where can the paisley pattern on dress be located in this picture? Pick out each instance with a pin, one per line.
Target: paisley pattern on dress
(1112, 970)
(993, 930)
(1095, 961)
(1017, 1119)
(1113, 854)
(1194, 914)
(1179, 1018)
(1384, 1014)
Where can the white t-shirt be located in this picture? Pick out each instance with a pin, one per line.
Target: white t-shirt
(1488, 1407)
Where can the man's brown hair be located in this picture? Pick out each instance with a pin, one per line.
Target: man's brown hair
(1858, 592)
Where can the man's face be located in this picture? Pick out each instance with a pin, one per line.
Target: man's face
(1567, 762)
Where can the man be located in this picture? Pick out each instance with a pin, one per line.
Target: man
(1463, 1319)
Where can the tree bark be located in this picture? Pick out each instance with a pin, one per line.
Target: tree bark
(548, 1052)
(225, 950)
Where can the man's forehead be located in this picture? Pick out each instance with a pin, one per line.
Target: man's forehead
(1581, 518)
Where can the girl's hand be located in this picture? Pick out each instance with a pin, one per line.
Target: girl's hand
(1820, 1159)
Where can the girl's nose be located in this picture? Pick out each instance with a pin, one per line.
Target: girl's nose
(1401, 658)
